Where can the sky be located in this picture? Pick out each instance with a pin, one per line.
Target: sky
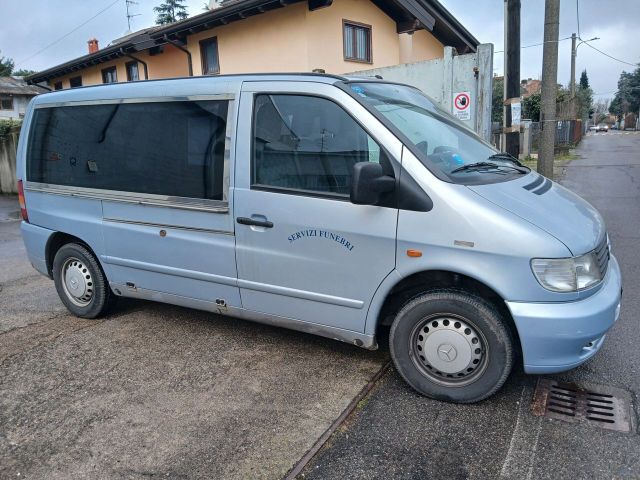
(64, 26)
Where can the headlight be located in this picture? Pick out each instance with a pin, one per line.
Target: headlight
(567, 274)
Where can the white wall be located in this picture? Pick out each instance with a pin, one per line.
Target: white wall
(20, 103)
(442, 78)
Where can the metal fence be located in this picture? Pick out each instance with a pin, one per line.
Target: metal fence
(568, 133)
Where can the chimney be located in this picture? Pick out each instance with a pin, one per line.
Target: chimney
(93, 45)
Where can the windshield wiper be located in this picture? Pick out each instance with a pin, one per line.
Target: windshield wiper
(506, 156)
(486, 166)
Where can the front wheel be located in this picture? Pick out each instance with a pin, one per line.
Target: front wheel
(451, 345)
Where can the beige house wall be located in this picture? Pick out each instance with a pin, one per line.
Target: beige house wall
(425, 47)
(325, 38)
(274, 41)
(290, 39)
(171, 63)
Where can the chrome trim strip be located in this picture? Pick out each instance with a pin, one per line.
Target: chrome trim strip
(303, 294)
(229, 134)
(246, 284)
(168, 227)
(178, 272)
(347, 336)
(184, 203)
(112, 101)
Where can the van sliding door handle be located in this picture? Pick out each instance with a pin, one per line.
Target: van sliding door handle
(254, 223)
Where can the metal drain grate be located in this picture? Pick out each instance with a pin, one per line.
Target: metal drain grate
(598, 405)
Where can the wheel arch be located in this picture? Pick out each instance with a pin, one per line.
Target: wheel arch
(59, 239)
(400, 290)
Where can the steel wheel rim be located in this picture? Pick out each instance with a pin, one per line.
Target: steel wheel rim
(449, 349)
(77, 281)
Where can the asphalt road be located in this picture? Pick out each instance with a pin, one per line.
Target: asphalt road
(396, 434)
(155, 390)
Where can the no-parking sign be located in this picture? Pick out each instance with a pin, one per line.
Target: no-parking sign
(462, 105)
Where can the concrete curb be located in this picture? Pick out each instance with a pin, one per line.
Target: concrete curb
(311, 453)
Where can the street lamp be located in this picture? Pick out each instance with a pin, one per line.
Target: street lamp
(574, 54)
(585, 41)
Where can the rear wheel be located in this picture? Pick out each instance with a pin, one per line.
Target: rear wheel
(452, 345)
(80, 282)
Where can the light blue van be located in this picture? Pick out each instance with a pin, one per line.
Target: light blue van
(335, 206)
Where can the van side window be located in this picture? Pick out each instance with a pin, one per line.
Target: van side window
(307, 144)
(164, 148)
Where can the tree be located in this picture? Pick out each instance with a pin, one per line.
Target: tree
(584, 80)
(6, 66)
(531, 107)
(170, 11)
(23, 72)
(627, 98)
(584, 97)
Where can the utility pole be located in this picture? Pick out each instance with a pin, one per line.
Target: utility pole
(511, 75)
(549, 87)
(573, 65)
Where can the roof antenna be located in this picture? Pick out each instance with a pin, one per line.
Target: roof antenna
(130, 15)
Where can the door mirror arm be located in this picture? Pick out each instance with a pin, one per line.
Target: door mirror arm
(368, 182)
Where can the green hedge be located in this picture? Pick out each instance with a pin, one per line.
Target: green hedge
(7, 126)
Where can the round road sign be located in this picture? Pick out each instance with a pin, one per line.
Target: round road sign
(462, 101)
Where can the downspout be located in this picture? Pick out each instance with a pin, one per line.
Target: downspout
(144, 64)
(180, 47)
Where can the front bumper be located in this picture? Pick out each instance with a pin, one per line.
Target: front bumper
(560, 336)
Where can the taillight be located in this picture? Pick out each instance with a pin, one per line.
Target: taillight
(21, 201)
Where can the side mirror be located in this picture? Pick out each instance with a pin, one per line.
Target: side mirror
(368, 181)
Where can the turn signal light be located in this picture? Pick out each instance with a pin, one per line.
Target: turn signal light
(22, 202)
(414, 253)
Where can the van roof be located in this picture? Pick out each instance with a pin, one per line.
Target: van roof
(183, 86)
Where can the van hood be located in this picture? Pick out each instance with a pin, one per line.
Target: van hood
(551, 207)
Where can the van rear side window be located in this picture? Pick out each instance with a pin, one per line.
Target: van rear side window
(163, 148)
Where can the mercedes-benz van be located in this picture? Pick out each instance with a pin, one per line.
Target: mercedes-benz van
(325, 204)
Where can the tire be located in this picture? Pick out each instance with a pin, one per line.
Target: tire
(452, 345)
(85, 292)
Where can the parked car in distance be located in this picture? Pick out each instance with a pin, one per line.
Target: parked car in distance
(593, 128)
(331, 205)
(603, 127)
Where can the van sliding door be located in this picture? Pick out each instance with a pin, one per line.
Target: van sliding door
(167, 220)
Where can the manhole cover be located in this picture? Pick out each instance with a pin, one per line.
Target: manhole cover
(598, 405)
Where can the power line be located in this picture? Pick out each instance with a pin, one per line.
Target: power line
(613, 58)
(538, 44)
(55, 42)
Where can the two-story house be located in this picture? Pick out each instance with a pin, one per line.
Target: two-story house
(241, 36)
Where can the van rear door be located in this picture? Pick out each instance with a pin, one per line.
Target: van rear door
(304, 251)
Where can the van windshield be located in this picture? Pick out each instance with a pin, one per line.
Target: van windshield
(440, 141)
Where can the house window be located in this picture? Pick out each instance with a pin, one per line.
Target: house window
(109, 75)
(132, 71)
(209, 53)
(357, 42)
(57, 86)
(75, 82)
(6, 103)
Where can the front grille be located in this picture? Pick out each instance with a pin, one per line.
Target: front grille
(602, 253)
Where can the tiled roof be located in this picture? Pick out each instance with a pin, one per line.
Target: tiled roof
(17, 86)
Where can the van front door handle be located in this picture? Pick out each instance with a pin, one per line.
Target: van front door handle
(254, 223)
